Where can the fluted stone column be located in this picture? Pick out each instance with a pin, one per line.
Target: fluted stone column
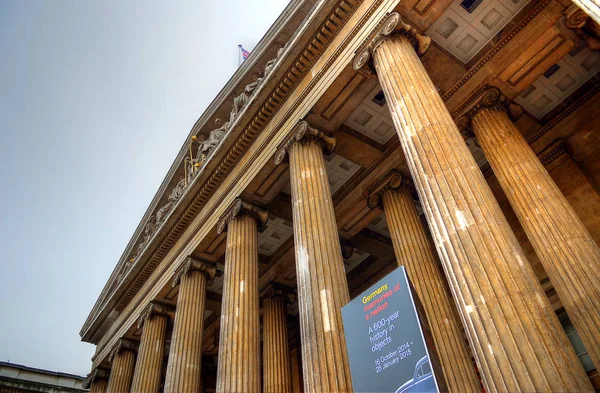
(185, 355)
(148, 367)
(516, 338)
(277, 376)
(414, 251)
(322, 285)
(99, 386)
(239, 342)
(566, 249)
(296, 367)
(122, 358)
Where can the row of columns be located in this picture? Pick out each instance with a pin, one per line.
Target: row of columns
(515, 336)
(137, 367)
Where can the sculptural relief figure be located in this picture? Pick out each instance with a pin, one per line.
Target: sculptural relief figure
(240, 101)
(214, 137)
(149, 230)
(174, 196)
(124, 271)
(271, 63)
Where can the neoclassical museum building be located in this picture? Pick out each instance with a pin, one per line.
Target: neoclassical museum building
(460, 139)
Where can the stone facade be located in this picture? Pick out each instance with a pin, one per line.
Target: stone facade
(459, 139)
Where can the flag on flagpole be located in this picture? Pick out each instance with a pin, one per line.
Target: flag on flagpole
(243, 54)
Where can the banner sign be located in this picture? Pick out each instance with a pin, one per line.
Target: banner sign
(388, 338)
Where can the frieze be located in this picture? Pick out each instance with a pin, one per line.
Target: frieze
(206, 147)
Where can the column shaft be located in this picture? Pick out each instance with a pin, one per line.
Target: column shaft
(276, 364)
(239, 345)
(99, 386)
(185, 355)
(565, 248)
(322, 285)
(296, 368)
(148, 367)
(413, 250)
(121, 372)
(515, 335)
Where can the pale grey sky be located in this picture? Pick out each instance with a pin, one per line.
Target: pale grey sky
(96, 98)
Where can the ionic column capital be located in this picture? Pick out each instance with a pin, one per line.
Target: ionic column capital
(123, 345)
(96, 374)
(302, 131)
(390, 26)
(485, 98)
(208, 268)
(275, 290)
(585, 27)
(241, 208)
(393, 180)
(155, 308)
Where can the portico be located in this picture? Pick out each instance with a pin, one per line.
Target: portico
(361, 139)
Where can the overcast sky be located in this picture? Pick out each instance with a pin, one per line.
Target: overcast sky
(96, 98)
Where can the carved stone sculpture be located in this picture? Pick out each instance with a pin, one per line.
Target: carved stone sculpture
(215, 137)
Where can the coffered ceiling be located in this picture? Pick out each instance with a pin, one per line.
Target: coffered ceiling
(559, 81)
(466, 26)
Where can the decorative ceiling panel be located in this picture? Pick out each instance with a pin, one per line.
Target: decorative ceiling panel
(339, 170)
(559, 81)
(466, 27)
(379, 225)
(372, 118)
(275, 233)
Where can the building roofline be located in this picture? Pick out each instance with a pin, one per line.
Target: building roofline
(41, 371)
